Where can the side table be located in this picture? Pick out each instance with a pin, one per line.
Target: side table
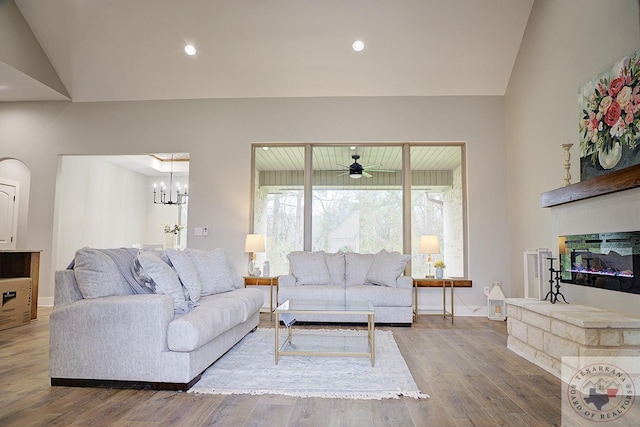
(264, 281)
(437, 283)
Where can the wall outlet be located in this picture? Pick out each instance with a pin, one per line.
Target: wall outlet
(486, 291)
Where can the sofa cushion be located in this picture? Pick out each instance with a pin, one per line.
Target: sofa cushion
(386, 268)
(97, 275)
(187, 273)
(214, 271)
(212, 317)
(157, 275)
(252, 300)
(310, 268)
(336, 266)
(381, 296)
(357, 267)
(317, 292)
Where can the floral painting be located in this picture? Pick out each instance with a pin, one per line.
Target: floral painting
(610, 119)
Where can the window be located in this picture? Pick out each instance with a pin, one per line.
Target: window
(364, 213)
(357, 214)
(437, 201)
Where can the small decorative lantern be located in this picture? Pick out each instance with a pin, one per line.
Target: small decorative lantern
(536, 272)
(495, 303)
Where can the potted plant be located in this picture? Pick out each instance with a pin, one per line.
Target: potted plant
(170, 234)
(439, 266)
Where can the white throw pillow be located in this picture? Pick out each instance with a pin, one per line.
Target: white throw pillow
(214, 271)
(187, 273)
(97, 275)
(357, 267)
(159, 276)
(386, 268)
(336, 266)
(309, 268)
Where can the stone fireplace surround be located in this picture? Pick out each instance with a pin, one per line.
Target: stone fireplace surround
(543, 333)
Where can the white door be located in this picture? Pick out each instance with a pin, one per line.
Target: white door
(8, 220)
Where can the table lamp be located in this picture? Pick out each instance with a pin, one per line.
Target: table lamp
(429, 245)
(252, 244)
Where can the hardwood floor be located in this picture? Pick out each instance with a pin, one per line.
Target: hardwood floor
(473, 380)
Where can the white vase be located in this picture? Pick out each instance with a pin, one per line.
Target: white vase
(611, 158)
(170, 241)
(439, 273)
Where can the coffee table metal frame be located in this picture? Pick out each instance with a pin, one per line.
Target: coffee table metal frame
(324, 307)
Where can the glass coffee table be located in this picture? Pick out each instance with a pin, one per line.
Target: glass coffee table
(334, 343)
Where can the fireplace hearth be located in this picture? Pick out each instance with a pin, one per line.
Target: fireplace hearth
(608, 261)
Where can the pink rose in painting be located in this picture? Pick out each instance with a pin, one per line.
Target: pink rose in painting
(628, 119)
(615, 86)
(613, 114)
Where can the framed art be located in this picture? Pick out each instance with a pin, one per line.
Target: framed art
(609, 121)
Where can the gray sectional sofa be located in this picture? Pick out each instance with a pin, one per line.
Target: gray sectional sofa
(129, 318)
(351, 276)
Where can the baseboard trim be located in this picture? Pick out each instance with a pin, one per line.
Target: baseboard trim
(136, 385)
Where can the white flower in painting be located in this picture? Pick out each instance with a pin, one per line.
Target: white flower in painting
(617, 130)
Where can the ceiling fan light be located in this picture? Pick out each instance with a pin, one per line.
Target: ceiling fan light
(355, 175)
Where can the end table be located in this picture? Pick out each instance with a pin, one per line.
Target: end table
(264, 281)
(436, 283)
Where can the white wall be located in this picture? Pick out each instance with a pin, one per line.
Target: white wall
(566, 43)
(98, 204)
(218, 134)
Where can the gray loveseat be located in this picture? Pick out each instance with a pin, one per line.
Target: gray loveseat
(159, 325)
(351, 276)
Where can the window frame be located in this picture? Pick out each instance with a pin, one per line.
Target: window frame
(406, 188)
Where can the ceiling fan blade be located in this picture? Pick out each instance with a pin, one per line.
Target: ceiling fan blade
(380, 170)
(343, 173)
(366, 174)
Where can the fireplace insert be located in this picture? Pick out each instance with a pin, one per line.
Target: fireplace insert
(602, 260)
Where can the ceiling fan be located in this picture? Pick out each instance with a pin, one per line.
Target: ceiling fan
(356, 170)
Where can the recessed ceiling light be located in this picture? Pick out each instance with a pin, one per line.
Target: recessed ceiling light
(353, 147)
(190, 49)
(358, 45)
(265, 148)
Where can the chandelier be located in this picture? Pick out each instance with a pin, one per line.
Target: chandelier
(181, 195)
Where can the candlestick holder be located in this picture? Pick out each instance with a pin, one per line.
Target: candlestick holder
(567, 163)
(554, 277)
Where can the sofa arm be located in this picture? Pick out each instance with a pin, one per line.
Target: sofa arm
(109, 338)
(286, 280)
(404, 282)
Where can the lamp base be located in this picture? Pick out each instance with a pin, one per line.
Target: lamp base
(251, 268)
(429, 276)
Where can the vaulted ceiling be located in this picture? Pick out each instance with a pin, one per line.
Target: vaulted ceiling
(134, 50)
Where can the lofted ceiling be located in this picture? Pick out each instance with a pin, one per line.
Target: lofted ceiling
(134, 50)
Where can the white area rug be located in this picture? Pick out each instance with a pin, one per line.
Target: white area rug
(249, 368)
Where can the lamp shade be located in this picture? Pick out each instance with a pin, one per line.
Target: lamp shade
(429, 245)
(254, 243)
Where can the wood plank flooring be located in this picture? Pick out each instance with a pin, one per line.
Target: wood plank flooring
(472, 378)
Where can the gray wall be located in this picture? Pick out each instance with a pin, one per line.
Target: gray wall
(566, 43)
(218, 134)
